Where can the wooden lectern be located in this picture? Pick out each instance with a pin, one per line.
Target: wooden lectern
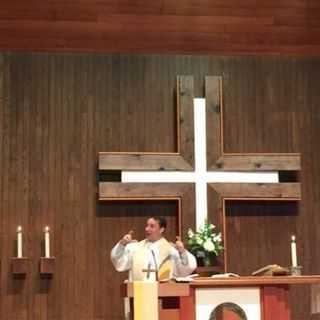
(181, 301)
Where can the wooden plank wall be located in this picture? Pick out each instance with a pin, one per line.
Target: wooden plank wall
(58, 110)
(162, 26)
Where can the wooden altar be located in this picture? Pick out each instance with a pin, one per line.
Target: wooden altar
(177, 301)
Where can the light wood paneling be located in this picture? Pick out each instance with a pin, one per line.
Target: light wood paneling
(163, 26)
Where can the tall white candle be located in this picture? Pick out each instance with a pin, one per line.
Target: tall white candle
(19, 241)
(47, 241)
(294, 252)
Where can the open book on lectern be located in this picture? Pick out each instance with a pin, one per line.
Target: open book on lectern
(271, 270)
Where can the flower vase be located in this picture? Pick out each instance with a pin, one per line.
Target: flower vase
(209, 260)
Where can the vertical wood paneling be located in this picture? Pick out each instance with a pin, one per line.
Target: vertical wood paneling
(247, 251)
(4, 202)
(58, 111)
(2, 103)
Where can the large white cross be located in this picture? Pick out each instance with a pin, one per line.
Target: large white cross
(200, 176)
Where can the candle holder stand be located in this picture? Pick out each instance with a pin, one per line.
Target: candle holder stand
(47, 266)
(20, 266)
(296, 271)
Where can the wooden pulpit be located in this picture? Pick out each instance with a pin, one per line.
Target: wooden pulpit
(173, 299)
(259, 298)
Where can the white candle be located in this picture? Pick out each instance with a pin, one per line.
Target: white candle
(19, 241)
(294, 252)
(47, 241)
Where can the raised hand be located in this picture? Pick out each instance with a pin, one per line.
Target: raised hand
(127, 238)
(179, 245)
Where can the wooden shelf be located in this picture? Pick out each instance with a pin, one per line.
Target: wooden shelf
(47, 266)
(19, 266)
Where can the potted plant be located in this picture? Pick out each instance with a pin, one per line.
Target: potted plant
(205, 244)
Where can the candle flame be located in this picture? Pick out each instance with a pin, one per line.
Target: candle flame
(46, 229)
(293, 238)
(19, 229)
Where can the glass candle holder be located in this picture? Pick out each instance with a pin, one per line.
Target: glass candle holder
(296, 271)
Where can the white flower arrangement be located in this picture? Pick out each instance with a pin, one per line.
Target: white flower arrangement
(205, 242)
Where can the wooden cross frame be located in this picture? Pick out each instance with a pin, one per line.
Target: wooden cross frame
(183, 160)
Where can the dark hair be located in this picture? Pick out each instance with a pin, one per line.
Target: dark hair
(161, 220)
(230, 306)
